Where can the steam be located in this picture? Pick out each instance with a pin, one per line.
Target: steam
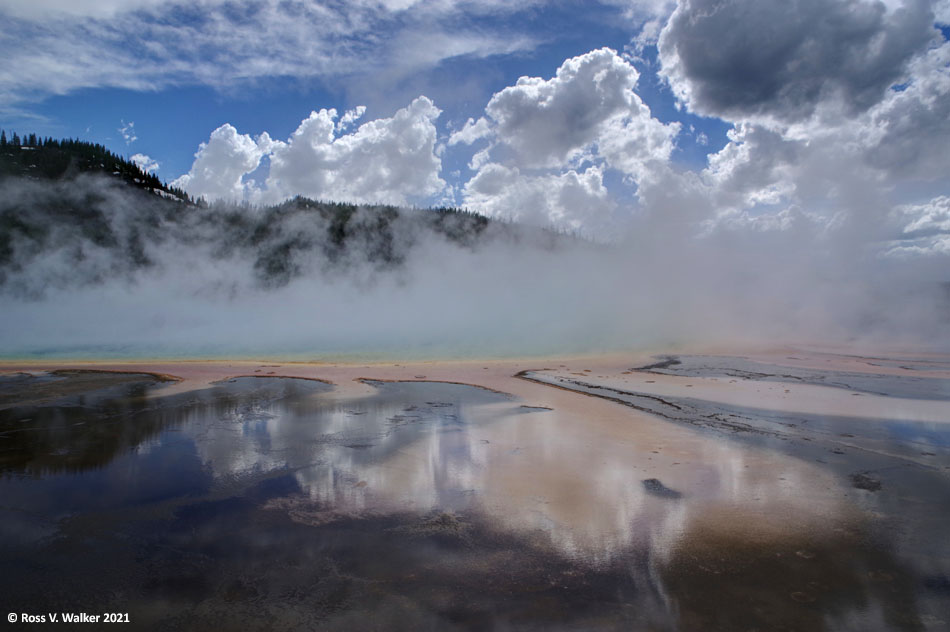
(139, 275)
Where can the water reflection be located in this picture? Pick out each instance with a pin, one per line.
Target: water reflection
(81, 432)
(262, 503)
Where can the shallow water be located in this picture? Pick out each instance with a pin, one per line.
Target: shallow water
(917, 387)
(898, 472)
(268, 503)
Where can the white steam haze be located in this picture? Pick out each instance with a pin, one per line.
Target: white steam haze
(825, 216)
(526, 292)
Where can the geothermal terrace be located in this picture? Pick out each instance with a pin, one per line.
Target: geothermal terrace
(694, 490)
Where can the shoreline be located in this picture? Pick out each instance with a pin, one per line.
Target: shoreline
(855, 350)
(609, 370)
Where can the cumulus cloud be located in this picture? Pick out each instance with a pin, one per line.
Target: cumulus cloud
(942, 11)
(764, 181)
(911, 128)
(590, 100)
(472, 131)
(145, 162)
(221, 164)
(852, 171)
(349, 117)
(753, 168)
(774, 59)
(390, 160)
(386, 160)
(924, 220)
(552, 140)
(572, 200)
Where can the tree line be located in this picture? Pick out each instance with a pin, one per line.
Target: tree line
(36, 156)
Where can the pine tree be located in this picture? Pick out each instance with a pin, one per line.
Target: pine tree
(16, 139)
(3, 138)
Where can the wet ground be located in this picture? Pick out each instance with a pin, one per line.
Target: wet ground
(918, 386)
(269, 503)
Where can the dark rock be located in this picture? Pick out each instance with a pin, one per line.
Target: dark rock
(863, 480)
(656, 488)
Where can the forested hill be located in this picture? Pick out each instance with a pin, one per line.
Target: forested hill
(36, 157)
(73, 214)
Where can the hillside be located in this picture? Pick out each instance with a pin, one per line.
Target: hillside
(46, 158)
(73, 214)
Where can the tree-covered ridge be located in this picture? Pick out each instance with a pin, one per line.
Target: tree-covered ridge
(76, 232)
(38, 157)
(300, 236)
(73, 214)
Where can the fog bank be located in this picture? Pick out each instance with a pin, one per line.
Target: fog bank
(90, 268)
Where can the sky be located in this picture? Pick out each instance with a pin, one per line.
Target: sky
(764, 119)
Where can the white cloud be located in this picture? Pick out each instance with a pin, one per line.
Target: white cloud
(543, 134)
(925, 219)
(795, 224)
(145, 162)
(673, 202)
(852, 171)
(420, 47)
(390, 160)
(46, 9)
(929, 247)
(572, 200)
(472, 131)
(942, 11)
(480, 158)
(921, 233)
(349, 117)
(845, 172)
(386, 160)
(753, 168)
(909, 132)
(53, 47)
(221, 164)
(590, 101)
(635, 144)
(128, 132)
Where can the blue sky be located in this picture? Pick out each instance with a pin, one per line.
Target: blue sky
(716, 113)
(171, 122)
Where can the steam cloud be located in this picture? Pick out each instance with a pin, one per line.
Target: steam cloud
(145, 276)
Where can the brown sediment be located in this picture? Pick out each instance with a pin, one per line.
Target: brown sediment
(73, 382)
(276, 377)
(161, 377)
(739, 571)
